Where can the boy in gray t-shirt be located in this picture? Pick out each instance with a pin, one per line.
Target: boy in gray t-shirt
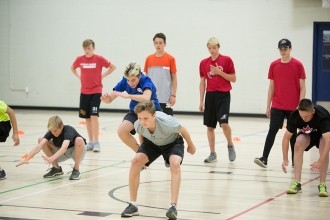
(160, 134)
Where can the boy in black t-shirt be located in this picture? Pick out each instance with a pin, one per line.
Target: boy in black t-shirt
(60, 143)
(313, 124)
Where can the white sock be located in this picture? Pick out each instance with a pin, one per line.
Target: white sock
(133, 203)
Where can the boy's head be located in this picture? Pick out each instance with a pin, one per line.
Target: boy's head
(146, 113)
(213, 46)
(55, 125)
(159, 42)
(306, 109)
(132, 74)
(89, 47)
(160, 36)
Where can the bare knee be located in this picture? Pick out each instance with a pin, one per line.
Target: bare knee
(79, 142)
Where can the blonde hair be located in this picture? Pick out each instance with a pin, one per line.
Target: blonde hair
(213, 41)
(132, 69)
(54, 122)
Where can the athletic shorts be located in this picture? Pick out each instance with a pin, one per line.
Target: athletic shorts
(131, 117)
(277, 117)
(217, 106)
(314, 140)
(153, 151)
(166, 110)
(89, 105)
(5, 128)
(69, 153)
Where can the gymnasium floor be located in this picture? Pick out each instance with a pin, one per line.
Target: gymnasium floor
(221, 190)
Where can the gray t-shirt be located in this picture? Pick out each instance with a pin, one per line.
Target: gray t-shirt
(166, 132)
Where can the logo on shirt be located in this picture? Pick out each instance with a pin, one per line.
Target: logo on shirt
(88, 65)
(139, 90)
(210, 74)
(307, 130)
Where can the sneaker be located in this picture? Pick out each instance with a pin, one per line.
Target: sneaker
(75, 174)
(2, 174)
(89, 146)
(172, 213)
(261, 162)
(97, 147)
(323, 190)
(211, 158)
(231, 153)
(54, 172)
(295, 187)
(131, 210)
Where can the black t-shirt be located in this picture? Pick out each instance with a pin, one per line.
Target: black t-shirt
(68, 133)
(320, 122)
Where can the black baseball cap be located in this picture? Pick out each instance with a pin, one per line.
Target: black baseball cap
(284, 43)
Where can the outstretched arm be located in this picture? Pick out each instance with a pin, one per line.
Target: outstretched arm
(33, 152)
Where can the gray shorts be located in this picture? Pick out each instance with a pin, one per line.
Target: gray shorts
(69, 153)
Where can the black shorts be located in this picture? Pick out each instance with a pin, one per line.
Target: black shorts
(5, 128)
(89, 105)
(131, 117)
(314, 140)
(168, 111)
(217, 106)
(153, 151)
(277, 117)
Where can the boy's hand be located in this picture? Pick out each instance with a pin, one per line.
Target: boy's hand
(284, 165)
(191, 149)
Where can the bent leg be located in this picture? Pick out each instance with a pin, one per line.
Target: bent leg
(123, 132)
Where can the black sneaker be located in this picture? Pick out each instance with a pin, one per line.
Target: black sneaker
(131, 210)
(54, 172)
(261, 162)
(172, 213)
(2, 174)
(75, 175)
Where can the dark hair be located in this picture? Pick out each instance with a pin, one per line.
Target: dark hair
(306, 105)
(145, 106)
(87, 43)
(160, 35)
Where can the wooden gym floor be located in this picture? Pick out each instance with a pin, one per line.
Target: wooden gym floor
(221, 190)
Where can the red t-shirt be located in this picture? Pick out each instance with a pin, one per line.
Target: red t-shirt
(216, 82)
(286, 77)
(91, 72)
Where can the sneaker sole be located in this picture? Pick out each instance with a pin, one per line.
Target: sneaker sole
(323, 195)
(293, 192)
(57, 174)
(129, 215)
(206, 161)
(96, 150)
(259, 163)
(76, 178)
(171, 216)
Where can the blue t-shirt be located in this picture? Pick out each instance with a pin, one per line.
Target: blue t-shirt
(144, 83)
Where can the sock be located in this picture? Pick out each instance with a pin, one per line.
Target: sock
(133, 203)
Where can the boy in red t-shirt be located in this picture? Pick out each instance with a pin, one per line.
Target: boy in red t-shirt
(91, 76)
(286, 88)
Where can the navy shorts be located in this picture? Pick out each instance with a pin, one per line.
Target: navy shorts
(89, 105)
(217, 106)
(5, 128)
(153, 151)
(131, 117)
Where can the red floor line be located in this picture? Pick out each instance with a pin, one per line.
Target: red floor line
(266, 201)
